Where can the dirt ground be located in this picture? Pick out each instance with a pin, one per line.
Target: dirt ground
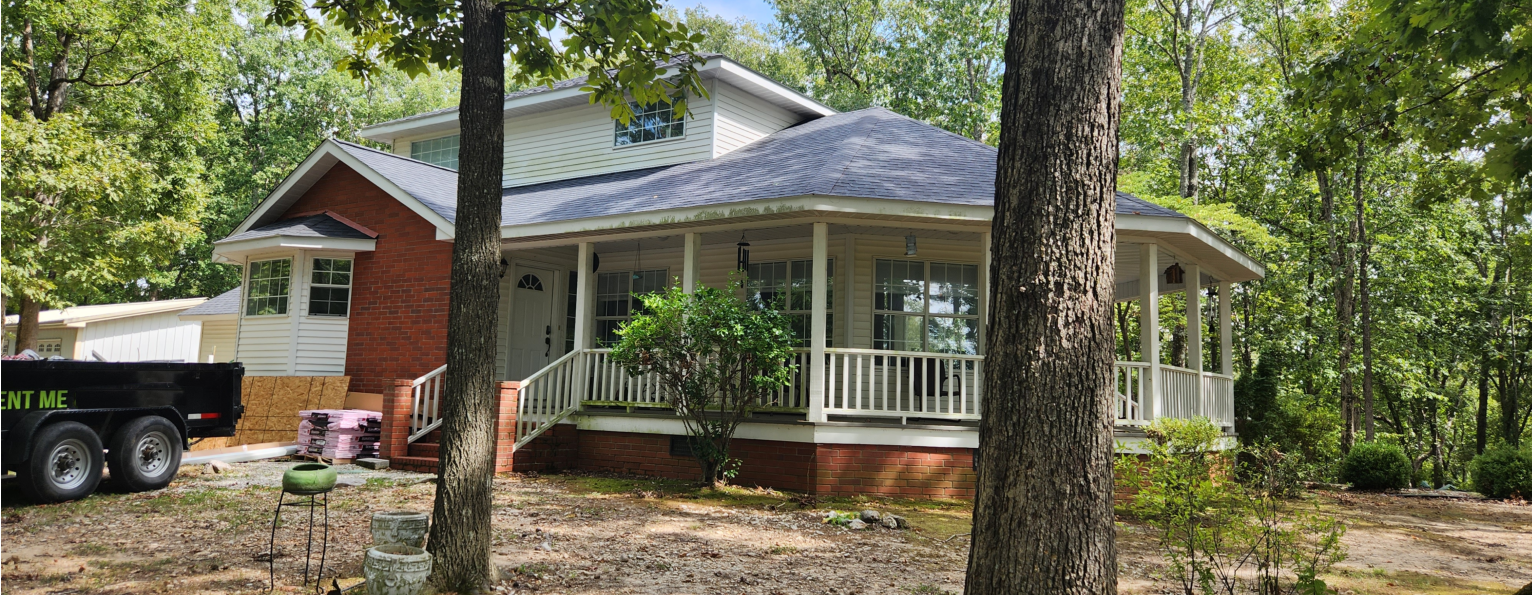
(574, 534)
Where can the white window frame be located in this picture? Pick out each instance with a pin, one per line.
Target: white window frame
(633, 300)
(44, 352)
(638, 111)
(250, 279)
(789, 290)
(351, 277)
(925, 315)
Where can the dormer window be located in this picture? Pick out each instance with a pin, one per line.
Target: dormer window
(649, 123)
(437, 151)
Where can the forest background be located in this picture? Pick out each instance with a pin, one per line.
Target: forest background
(1374, 155)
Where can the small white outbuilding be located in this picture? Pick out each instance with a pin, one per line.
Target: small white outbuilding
(131, 332)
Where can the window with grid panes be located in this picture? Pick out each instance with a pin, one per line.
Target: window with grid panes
(50, 347)
(268, 287)
(925, 306)
(617, 300)
(437, 151)
(649, 123)
(569, 311)
(330, 287)
(788, 286)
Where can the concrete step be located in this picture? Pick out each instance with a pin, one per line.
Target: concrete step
(417, 464)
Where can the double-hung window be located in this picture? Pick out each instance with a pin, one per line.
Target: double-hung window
(267, 292)
(330, 287)
(926, 306)
(787, 286)
(617, 300)
(657, 121)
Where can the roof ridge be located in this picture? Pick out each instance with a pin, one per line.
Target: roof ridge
(386, 153)
(851, 155)
(939, 128)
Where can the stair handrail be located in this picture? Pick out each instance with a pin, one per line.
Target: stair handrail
(546, 398)
(426, 395)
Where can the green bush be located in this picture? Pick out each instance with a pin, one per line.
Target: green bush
(1503, 472)
(1376, 466)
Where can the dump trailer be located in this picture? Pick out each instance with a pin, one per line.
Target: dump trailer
(63, 421)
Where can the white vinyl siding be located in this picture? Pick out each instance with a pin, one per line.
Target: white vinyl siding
(742, 118)
(162, 336)
(577, 141)
(217, 341)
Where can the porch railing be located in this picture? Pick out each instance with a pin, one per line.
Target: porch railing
(426, 402)
(548, 396)
(1219, 399)
(879, 383)
(1131, 383)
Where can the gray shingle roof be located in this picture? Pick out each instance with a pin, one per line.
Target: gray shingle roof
(320, 225)
(564, 84)
(871, 153)
(227, 302)
(435, 186)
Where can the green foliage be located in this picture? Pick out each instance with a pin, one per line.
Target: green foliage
(716, 357)
(1504, 472)
(1224, 529)
(1376, 466)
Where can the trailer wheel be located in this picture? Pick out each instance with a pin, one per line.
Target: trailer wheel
(145, 454)
(65, 464)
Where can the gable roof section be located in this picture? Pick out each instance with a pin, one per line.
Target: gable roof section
(428, 190)
(320, 225)
(567, 93)
(79, 316)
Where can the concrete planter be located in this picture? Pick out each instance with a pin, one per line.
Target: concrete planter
(399, 527)
(396, 570)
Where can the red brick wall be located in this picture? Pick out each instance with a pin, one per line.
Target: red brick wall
(398, 326)
(766, 463)
(905, 471)
(554, 450)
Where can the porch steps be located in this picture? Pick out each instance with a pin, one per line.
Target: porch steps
(423, 455)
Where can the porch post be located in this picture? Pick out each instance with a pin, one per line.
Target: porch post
(690, 265)
(583, 295)
(817, 305)
(1226, 345)
(984, 289)
(1149, 326)
(1194, 318)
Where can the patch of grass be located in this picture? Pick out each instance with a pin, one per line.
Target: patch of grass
(782, 550)
(86, 550)
(1375, 582)
(534, 570)
(929, 589)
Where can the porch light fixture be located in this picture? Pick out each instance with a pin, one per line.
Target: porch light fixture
(910, 245)
(1174, 274)
(742, 254)
(503, 265)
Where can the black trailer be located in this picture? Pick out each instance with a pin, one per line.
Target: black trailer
(61, 421)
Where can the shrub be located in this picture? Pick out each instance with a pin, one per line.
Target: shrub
(1376, 466)
(1503, 472)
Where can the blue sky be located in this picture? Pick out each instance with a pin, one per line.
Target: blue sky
(755, 10)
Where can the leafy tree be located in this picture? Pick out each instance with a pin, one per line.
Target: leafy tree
(620, 46)
(1043, 520)
(106, 108)
(717, 358)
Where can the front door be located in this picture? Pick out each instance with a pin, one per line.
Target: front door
(532, 319)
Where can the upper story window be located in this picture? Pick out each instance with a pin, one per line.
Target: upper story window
(926, 306)
(268, 287)
(330, 287)
(649, 123)
(617, 299)
(437, 151)
(788, 286)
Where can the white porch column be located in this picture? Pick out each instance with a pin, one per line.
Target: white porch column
(585, 280)
(690, 266)
(817, 305)
(1149, 326)
(1194, 318)
(1226, 343)
(984, 289)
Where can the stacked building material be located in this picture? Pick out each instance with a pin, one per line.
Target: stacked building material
(340, 433)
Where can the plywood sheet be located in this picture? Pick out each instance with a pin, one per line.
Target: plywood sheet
(333, 395)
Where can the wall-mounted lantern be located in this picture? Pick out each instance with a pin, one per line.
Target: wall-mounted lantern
(1174, 274)
(503, 266)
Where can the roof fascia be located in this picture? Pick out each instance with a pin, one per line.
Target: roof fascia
(234, 252)
(1194, 228)
(755, 208)
(208, 317)
(330, 149)
(744, 72)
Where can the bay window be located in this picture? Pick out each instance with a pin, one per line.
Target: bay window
(270, 281)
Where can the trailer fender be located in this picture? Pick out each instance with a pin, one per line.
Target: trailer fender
(18, 445)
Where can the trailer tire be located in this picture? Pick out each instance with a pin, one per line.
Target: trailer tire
(65, 464)
(144, 454)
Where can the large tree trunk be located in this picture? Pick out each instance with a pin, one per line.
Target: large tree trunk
(460, 529)
(26, 326)
(1043, 520)
(1367, 319)
(1483, 411)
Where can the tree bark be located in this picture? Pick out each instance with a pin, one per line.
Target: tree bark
(460, 530)
(26, 325)
(1043, 519)
(1367, 316)
(1483, 412)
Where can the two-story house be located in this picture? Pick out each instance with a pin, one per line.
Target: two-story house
(871, 228)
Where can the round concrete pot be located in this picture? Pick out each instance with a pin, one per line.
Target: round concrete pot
(396, 570)
(399, 527)
(309, 478)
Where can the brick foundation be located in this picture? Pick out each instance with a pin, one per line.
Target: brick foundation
(904, 471)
